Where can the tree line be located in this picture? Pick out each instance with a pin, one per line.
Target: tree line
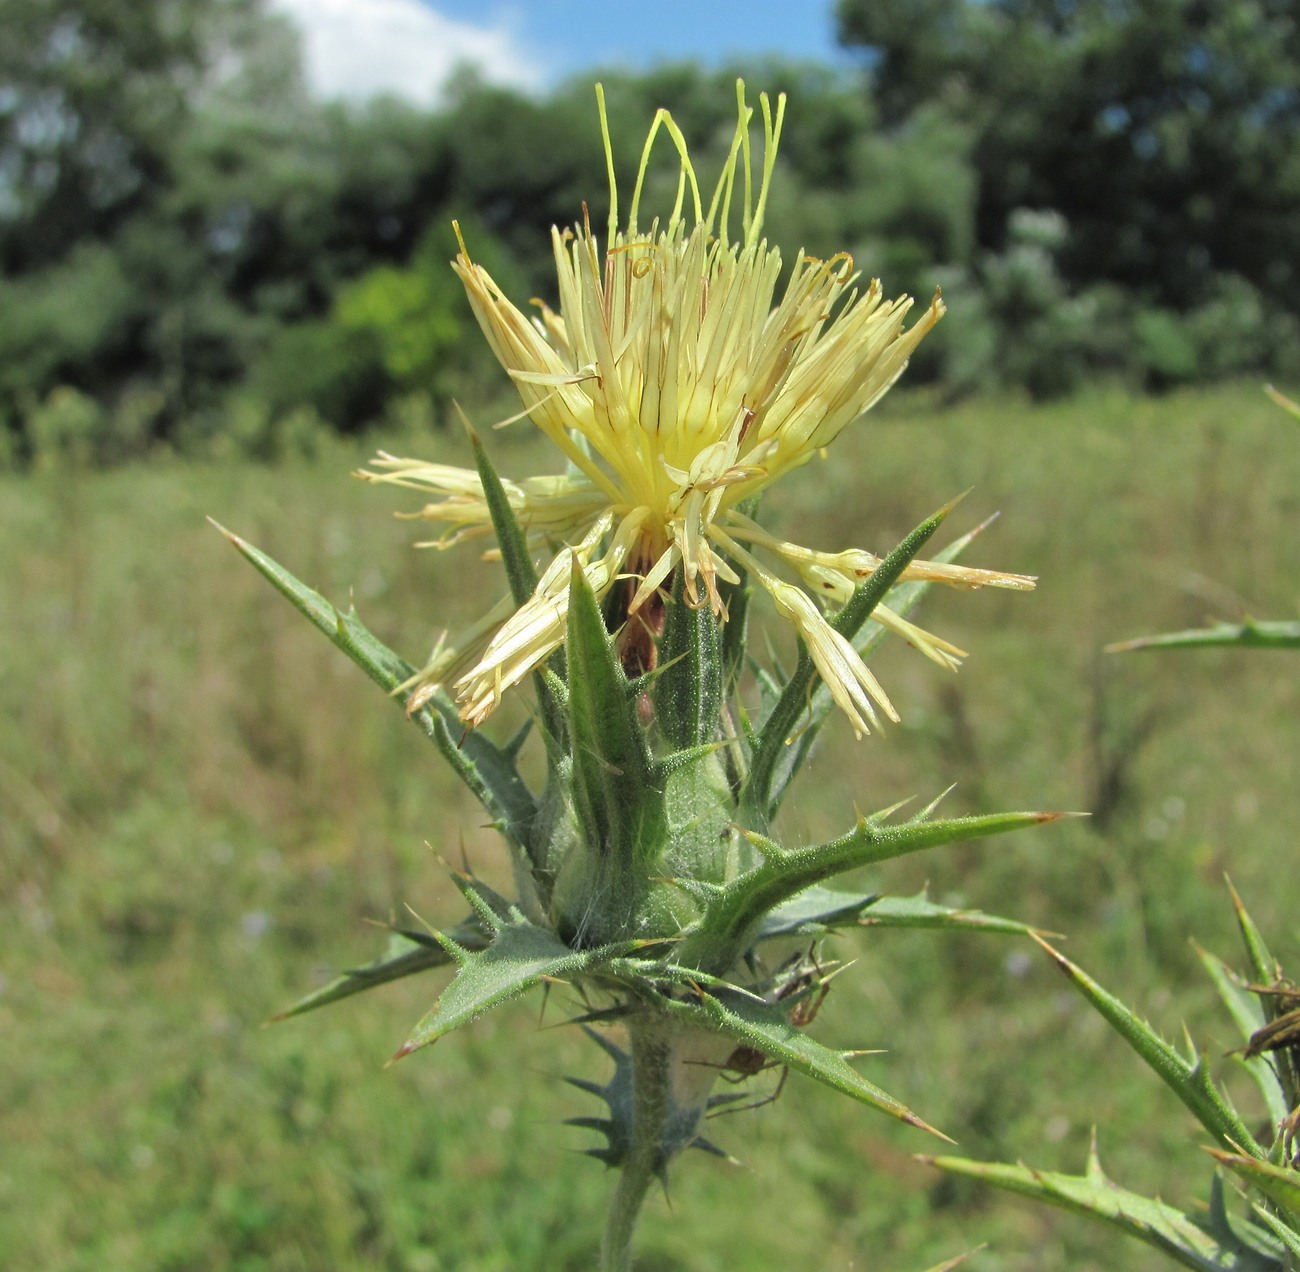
(194, 250)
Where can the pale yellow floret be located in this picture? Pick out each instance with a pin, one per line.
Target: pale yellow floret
(679, 378)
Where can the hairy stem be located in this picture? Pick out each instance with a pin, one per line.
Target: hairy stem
(651, 1096)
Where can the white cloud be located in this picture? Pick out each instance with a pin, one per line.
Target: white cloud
(357, 48)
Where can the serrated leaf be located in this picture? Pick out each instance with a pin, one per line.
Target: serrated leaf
(1191, 1083)
(1279, 1184)
(484, 767)
(766, 1027)
(405, 956)
(736, 914)
(522, 955)
(1247, 635)
(1094, 1195)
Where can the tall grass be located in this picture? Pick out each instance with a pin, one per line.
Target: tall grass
(203, 804)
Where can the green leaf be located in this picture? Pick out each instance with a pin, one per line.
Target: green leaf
(766, 1027)
(1247, 635)
(1245, 1010)
(611, 761)
(814, 910)
(518, 561)
(522, 577)
(920, 912)
(521, 956)
(1094, 1195)
(1263, 966)
(1190, 1082)
(761, 791)
(1279, 1184)
(486, 769)
(406, 955)
(688, 691)
(1285, 1233)
(736, 914)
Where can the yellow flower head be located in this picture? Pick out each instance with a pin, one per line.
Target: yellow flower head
(679, 379)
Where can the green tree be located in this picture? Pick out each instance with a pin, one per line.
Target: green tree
(1167, 132)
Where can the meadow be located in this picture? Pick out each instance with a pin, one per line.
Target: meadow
(205, 807)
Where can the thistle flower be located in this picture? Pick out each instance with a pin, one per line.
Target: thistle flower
(679, 379)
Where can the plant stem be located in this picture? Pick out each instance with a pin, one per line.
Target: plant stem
(651, 1101)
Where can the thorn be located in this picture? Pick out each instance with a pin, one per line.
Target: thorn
(230, 535)
(933, 804)
(951, 504)
(921, 1124)
(1061, 961)
(401, 1053)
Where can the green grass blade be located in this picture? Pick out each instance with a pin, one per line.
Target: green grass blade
(1190, 1082)
(1247, 635)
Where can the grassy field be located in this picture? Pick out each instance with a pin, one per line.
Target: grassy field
(204, 805)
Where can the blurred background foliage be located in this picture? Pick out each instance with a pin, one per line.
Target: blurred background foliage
(188, 238)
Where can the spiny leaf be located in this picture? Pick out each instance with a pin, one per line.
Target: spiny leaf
(766, 1027)
(1245, 1010)
(733, 918)
(487, 770)
(1288, 1236)
(404, 956)
(1280, 1185)
(1190, 1082)
(920, 912)
(1263, 966)
(812, 910)
(1092, 1194)
(522, 955)
(522, 577)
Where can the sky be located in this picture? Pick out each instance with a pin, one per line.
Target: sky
(355, 48)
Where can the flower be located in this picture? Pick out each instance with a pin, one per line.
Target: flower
(679, 378)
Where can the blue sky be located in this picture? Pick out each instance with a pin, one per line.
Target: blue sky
(571, 35)
(358, 47)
